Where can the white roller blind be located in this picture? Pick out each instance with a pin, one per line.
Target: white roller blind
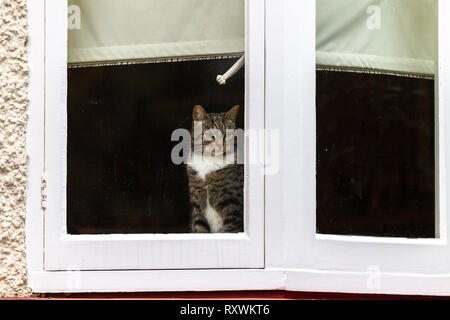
(121, 30)
(391, 35)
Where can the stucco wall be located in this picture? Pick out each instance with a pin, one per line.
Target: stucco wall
(13, 158)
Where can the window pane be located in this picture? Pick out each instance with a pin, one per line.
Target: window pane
(376, 120)
(123, 110)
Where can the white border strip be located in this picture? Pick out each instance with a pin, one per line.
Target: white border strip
(34, 221)
(228, 280)
(368, 239)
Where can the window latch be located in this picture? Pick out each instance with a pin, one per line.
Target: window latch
(44, 191)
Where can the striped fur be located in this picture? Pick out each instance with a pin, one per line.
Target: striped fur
(216, 187)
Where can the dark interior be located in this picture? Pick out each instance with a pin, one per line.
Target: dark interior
(375, 148)
(375, 155)
(120, 178)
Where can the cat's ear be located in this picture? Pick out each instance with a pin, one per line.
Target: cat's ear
(199, 114)
(233, 113)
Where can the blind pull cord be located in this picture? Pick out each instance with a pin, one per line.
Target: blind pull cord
(222, 79)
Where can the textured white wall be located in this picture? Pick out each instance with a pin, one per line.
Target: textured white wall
(13, 158)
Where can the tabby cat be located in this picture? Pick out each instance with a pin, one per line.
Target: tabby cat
(216, 180)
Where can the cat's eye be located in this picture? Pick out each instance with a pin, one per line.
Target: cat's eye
(229, 135)
(210, 136)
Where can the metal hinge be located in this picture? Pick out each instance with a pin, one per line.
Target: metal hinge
(44, 191)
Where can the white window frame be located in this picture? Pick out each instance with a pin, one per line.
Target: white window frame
(63, 251)
(295, 257)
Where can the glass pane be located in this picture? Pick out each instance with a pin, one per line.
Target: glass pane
(121, 173)
(375, 108)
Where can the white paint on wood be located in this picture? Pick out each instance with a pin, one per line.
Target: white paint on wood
(296, 258)
(35, 136)
(253, 279)
(291, 239)
(151, 251)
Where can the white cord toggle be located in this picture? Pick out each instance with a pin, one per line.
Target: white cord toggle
(222, 79)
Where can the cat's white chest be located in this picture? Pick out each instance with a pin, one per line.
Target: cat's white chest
(205, 165)
(214, 219)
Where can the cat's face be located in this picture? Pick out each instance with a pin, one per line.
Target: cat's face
(214, 131)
